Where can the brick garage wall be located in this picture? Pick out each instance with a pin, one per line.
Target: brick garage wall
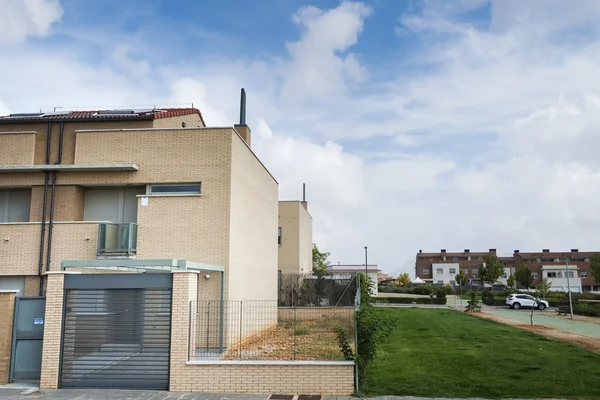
(52, 331)
(327, 378)
(262, 378)
(183, 326)
(7, 308)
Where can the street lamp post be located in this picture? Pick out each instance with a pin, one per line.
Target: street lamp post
(366, 267)
(453, 288)
(569, 286)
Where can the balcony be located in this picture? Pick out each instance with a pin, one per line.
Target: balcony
(117, 239)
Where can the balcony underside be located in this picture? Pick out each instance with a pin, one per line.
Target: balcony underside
(6, 169)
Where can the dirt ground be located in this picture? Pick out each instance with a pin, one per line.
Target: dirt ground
(309, 340)
(589, 343)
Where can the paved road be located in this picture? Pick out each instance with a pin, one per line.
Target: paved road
(89, 394)
(549, 318)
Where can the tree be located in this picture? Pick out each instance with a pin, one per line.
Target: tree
(491, 270)
(372, 329)
(473, 304)
(511, 281)
(461, 278)
(524, 276)
(543, 287)
(320, 262)
(595, 267)
(404, 278)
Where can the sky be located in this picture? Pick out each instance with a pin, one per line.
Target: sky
(416, 125)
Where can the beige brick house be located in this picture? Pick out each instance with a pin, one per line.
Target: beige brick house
(135, 184)
(94, 204)
(295, 237)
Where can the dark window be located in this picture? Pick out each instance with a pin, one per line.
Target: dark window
(175, 189)
(14, 205)
(279, 241)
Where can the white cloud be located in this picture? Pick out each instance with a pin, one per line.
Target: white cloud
(22, 18)
(318, 68)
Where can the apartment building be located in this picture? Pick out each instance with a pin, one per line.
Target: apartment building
(441, 267)
(557, 265)
(113, 186)
(294, 238)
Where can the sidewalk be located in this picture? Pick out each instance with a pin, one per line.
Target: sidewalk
(99, 394)
(548, 318)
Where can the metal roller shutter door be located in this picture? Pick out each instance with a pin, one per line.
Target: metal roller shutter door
(116, 338)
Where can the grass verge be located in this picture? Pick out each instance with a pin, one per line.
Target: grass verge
(444, 353)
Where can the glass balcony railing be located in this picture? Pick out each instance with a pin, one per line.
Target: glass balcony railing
(117, 239)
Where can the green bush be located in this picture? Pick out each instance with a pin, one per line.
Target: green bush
(488, 298)
(589, 309)
(410, 300)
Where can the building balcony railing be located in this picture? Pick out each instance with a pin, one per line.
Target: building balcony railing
(117, 239)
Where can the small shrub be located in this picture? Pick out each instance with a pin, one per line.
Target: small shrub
(473, 304)
(344, 343)
(301, 331)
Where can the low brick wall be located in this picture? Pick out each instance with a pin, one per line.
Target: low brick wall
(307, 313)
(250, 377)
(7, 309)
(265, 377)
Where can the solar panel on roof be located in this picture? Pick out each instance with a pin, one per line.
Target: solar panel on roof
(25, 115)
(116, 112)
(50, 114)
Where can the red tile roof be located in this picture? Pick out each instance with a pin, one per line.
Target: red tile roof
(104, 115)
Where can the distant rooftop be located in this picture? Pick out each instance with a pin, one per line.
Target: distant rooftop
(100, 115)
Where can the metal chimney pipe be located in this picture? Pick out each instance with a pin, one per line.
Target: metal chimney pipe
(243, 107)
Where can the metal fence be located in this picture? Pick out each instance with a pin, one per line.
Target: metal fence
(334, 289)
(259, 330)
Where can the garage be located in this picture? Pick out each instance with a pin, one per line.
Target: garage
(116, 331)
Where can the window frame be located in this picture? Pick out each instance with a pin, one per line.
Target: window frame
(150, 189)
(5, 197)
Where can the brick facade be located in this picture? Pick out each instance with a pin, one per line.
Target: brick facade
(7, 308)
(52, 331)
(19, 148)
(468, 260)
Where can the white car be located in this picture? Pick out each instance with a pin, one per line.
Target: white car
(517, 301)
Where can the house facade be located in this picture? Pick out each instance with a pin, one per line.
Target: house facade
(143, 236)
(135, 184)
(442, 267)
(294, 238)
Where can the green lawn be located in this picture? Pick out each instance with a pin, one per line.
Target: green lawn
(445, 353)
